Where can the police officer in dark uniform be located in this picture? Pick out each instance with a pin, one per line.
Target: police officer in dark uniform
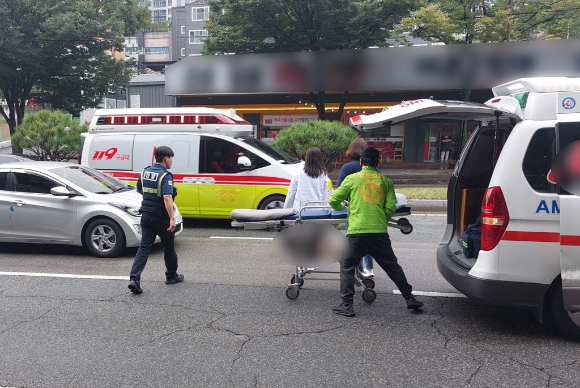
(156, 186)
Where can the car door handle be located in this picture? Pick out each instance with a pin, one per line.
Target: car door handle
(18, 202)
(188, 180)
(206, 181)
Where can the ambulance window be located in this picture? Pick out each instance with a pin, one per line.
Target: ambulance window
(538, 160)
(3, 180)
(220, 156)
(568, 133)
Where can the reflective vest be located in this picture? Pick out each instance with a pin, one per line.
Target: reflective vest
(151, 179)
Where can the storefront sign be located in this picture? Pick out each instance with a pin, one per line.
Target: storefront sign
(286, 120)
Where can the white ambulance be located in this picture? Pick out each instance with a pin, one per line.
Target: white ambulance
(530, 237)
(218, 165)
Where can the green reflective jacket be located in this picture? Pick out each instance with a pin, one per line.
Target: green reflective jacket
(372, 201)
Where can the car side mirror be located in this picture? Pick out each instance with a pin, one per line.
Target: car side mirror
(244, 163)
(61, 191)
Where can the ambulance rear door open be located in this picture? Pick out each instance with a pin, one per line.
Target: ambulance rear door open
(428, 109)
(567, 133)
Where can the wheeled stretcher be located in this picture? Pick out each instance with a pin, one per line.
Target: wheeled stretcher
(319, 213)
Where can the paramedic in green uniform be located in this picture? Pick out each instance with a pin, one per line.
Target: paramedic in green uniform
(372, 203)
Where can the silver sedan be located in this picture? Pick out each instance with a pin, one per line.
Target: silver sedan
(64, 203)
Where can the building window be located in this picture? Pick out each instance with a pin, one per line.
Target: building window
(199, 13)
(197, 36)
(183, 52)
(159, 16)
(156, 50)
(159, 3)
(133, 50)
(182, 30)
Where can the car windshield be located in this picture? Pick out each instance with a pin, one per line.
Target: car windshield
(91, 180)
(270, 151)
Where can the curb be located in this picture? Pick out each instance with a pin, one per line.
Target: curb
(434, 205)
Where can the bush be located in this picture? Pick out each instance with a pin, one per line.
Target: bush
(332, 137)
(50, 135)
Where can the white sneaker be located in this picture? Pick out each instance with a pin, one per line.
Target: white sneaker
(368, 273)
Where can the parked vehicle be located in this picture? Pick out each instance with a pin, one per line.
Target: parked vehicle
(530, 236)
(218, 166)
(64, 203)
(14, 159)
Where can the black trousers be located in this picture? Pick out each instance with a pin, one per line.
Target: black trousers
(151, 227)
(379, 247)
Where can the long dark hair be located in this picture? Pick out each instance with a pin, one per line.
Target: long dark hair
(355, 148)
(314, 166)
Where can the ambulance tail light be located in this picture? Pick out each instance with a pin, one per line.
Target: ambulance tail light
(494, 218)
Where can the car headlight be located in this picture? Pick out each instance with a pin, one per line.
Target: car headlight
(134, 211)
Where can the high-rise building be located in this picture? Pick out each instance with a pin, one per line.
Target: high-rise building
(159, 47)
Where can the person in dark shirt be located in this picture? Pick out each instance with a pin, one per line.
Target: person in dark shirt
(354, 151)
(445, 148)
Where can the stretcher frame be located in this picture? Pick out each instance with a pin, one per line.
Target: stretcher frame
(297, 280)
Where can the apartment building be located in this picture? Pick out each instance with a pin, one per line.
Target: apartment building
(188, 29)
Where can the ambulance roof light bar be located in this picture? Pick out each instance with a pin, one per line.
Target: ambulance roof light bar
(538, 85)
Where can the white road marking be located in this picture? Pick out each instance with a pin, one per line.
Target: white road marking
(64, 275)
(243, 238)
(440, 294)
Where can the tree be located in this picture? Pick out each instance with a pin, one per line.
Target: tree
(50, 135)
(332, 137)
(58, 51)
(481, 21)
(275, 26)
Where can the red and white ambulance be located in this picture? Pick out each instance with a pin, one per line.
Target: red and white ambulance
(530, 238)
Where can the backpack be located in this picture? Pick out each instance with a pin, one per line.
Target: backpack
(471, 240)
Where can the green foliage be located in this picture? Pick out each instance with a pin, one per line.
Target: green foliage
(50, 135)
(259, 26)
(332, 137)
(62, 50)
(481, 21)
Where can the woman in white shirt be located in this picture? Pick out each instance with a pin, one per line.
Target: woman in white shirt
(311, 184)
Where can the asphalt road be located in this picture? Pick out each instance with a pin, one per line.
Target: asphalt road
(230, 325)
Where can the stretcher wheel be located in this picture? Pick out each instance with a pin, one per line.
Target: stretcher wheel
(408, 228)
(292, 293)
(369, 283)
(300, 281)
(369, 295)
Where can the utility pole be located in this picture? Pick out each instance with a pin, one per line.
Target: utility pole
(509, 24)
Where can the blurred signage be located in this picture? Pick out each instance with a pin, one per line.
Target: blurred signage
(471, 66)
(286, 120)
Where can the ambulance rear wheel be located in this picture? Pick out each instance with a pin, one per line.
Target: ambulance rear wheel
(369, 295)
(565, 323)
(273, 202)
(292, 293)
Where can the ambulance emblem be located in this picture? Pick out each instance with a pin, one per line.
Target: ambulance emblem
(568, 103)
(228, 195)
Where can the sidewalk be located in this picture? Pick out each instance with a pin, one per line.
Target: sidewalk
(414, 174)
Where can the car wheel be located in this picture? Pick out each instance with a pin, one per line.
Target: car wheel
(104, 238)
(273, 202)
(565, 323)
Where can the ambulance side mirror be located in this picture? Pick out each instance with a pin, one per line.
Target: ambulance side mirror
(244, 163)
